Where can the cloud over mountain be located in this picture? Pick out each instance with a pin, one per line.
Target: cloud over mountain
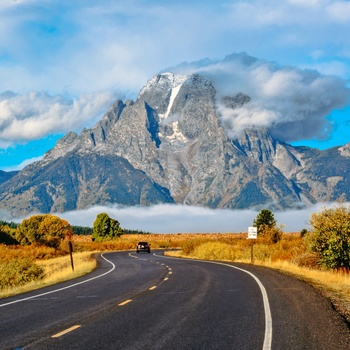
(291, 102)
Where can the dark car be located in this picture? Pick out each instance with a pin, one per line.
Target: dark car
(143, 246)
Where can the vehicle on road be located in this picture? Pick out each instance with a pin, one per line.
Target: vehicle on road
(143, 246)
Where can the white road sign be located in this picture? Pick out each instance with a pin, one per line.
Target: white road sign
(252, 232)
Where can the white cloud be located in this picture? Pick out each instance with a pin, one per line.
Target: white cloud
(6, 4)
(91, 46)
(291, 102)
(269, 13)
(339, 11)
(37, 114)
(82, 47)
(307, 3)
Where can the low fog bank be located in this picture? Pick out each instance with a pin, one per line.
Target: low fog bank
(166, 218)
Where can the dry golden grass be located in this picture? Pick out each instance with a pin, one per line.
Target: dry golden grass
(157, 241)
(29, 252)
(60, 269)
(338, 283)
(56, 270)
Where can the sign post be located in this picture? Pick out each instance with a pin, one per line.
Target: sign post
(69, 247)
(70, 253)
(252, 234)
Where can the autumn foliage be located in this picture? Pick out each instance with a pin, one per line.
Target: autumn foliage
(330, 236)
(48, 230)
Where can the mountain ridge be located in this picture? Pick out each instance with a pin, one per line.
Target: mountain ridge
(6, 175)
(175, 148)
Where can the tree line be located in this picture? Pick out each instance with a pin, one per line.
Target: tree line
(50, 230)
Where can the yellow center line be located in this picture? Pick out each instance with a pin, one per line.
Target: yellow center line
(125, 302)
(66, 331)
(154, 287)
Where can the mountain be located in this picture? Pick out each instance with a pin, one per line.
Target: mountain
(172, 146)
(6, 175)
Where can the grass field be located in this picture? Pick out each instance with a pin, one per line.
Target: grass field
(46, 272)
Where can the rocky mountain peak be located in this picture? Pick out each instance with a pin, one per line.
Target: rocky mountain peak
(345, 150)
(171, 145)
(160, 92)
(257, 143)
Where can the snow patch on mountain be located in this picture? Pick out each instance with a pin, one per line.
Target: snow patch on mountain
(174, 93)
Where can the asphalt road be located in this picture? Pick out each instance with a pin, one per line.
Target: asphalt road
(145, 301)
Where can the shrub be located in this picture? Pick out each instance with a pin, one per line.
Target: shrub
(330, 237)
(271, 234)
(303, 232)
(45, 229)
(6, 235)
(215, 251)
(18, 272)
(189, 246)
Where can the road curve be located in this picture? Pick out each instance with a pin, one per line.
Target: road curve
(145, 301)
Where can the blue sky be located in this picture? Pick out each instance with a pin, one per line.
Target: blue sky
(63, 63)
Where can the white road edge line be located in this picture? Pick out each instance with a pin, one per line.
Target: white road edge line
(268, 319)
(60, 289)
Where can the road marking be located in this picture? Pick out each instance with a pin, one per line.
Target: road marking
(268, 318)
(66, 331)
(152, 288)
(165, 279)
(60, 289)
(125, 302)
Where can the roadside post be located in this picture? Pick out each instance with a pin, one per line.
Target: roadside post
(252, 234)
(69, 247)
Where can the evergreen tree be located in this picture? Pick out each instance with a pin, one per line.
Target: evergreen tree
(82, 230)
(265, 217)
